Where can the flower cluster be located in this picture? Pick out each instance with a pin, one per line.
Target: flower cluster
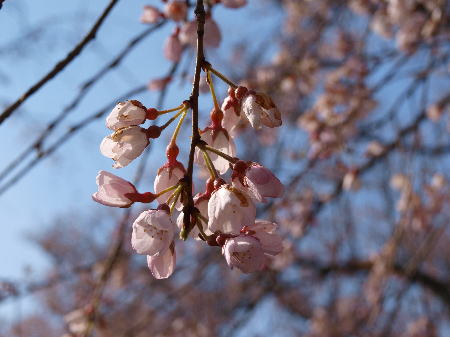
(223, 215)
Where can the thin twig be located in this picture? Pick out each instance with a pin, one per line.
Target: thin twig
(84, 90)
(61, 64)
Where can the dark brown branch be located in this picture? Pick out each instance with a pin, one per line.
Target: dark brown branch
(193, 100)
(61, 64)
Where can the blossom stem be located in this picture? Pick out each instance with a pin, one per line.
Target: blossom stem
(172, 119)
(211, 88)
(173, 140)
(220, 75)
(162, 112)
(210, 165)
(200, 229)
(175, 195)
(171, 188)
(220, 153)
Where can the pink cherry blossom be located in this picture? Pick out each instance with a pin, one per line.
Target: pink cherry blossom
(153, 231)
(260, 110)
(150, 14)
(245, 253)
(219, 139)
(129, 113)
(251, 250)
(234, 3)
(175, 10)
(158, 84)
(262, 183)
(168, 175)
(229, 209)
(124, 145)
(231, 108)
(163, 265)
(112, 190)
(212, 37)
(173, 48)
(188, 33)
(271, 243)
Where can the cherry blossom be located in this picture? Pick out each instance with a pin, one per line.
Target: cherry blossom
(250, 251)
(229, 209)
(231, 108)
(173, 48)
(168, 175)
(163, 265)
(129, 113)
(113, 190)
(257, 180)
(124, 145)
(244, 253)
(150, 14)
(158, 84)
(219, 139)
(212, 37)
(260, 110)
(175, 10)
(153, 232)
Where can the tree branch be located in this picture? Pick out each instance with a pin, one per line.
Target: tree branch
(61, 64)
(193, 100)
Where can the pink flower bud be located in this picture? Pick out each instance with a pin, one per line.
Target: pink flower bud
(244, 253)
(150, 14)
(231, 108)
(250, 251)
(260, 183)
(260, 110)
(129, 113)
(173, 48)
(124, 145)
(158, 84)
(162, 266)
(271, 243)
(229, 209)
(168, 175)
(220, 140)
(153, 231)
(112, 190)
(188, 33)
(234, 3)
(176, 10)
(212, 37)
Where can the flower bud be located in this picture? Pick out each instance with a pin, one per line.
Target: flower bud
(129, 113)
(113, 190)
(153, 231)
(150, 14)
(176, 10)
(124, 145)
(260, 110)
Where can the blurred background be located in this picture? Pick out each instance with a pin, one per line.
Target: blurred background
(363, 87)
